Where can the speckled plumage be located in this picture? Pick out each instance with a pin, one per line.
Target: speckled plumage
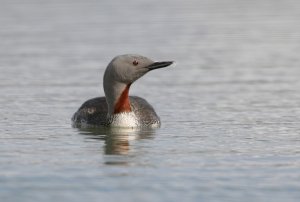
(94, 112)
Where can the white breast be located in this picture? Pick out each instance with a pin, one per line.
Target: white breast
(126, 119)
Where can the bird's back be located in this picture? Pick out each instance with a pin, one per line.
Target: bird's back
(94, 112)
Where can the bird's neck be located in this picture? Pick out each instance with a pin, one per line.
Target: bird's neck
(123, 103)
(117, 98)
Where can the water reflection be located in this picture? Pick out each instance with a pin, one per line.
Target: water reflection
(117, 141)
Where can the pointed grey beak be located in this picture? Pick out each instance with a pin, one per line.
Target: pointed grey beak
(157, 65)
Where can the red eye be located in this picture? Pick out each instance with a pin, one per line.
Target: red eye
(135, 62)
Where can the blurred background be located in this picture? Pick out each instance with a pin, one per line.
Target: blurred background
(230, 107)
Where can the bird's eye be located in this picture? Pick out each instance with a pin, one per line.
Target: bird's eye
(135, 62)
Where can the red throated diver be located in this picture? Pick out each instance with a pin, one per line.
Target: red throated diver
(117, 108)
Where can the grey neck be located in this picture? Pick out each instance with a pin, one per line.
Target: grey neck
(113, 91)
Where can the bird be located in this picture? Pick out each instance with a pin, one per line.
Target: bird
(117, 108)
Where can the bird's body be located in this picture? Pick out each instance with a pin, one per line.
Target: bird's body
(117, 108)
(94, 112)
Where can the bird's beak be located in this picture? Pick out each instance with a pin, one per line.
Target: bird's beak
(157, 65)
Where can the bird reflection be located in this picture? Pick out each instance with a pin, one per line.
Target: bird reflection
(117, 140)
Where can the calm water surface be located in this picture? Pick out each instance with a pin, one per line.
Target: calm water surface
(230, 108)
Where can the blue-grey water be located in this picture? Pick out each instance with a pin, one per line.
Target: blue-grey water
(230, 108)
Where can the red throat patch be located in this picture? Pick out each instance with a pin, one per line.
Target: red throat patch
(123, 104)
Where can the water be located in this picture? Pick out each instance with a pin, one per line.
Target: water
(230, 108)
